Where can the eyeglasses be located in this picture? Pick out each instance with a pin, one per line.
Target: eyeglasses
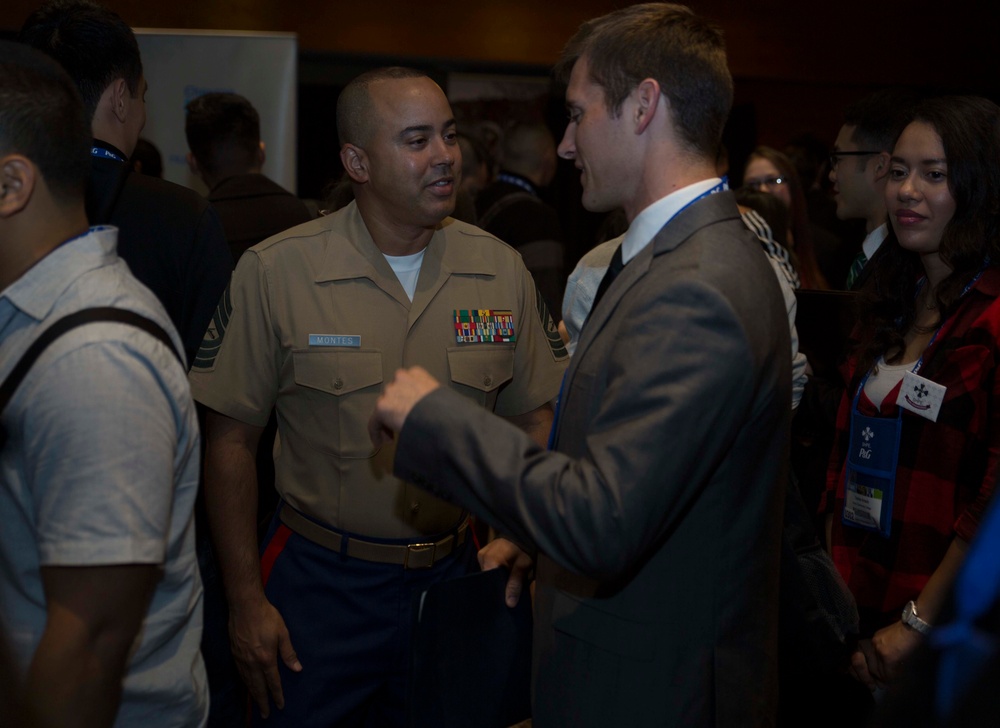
(835, 156)
(757, 184)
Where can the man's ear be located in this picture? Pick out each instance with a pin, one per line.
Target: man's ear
(647, 98)
(355, 162)
(17, 183)
(119, 96)
(261, 154)
(881, 165)
(192, 164)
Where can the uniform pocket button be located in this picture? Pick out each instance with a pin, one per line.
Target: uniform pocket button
(338, 383)
(487, 380)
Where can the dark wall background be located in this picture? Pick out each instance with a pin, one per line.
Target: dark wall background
(797, 63)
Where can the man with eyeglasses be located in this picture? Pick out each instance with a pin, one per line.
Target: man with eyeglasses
(859, 167)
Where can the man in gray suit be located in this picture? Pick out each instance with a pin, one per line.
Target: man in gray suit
(657, 515)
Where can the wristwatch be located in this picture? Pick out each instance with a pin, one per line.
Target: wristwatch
(911, 619)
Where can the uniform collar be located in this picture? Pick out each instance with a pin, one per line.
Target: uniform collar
(359, 257)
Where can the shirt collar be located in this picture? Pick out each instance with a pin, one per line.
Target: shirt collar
(651, 220)
(874, 240)
(36, 292)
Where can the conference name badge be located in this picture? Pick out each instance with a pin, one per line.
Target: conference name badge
(870, 478)
(921, 396)
(484, 325)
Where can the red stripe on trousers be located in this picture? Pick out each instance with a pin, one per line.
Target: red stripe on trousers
(273, 551)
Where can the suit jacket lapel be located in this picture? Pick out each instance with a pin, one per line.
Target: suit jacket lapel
(714, 208)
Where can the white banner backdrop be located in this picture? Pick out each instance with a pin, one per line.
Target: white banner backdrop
(180, 65)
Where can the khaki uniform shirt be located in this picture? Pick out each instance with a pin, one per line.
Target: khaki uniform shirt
(315, 323)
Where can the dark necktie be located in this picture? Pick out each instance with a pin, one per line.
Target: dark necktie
(856, 267)
(614, 268)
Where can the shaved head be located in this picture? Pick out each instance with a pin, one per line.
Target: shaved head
(529, 150)
(356, 115)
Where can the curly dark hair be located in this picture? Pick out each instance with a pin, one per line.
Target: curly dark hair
(969, 127)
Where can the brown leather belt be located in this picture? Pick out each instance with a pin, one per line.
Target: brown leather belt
(409, 556)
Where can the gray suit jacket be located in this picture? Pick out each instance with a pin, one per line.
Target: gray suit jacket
(658, 516)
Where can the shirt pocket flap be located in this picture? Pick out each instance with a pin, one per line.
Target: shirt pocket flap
(337, 372)
(483, 369)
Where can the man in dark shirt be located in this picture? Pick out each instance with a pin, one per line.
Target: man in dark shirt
(223, 133)
(168, 234)
(511, 208)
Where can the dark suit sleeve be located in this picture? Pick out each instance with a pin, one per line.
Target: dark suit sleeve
(210, 265)
(681, 383)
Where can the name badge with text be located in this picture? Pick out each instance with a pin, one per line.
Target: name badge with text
(335, 340)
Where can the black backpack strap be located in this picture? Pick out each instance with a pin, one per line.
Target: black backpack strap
(67, 323)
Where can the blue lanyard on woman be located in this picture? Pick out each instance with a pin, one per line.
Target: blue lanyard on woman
(873, 452)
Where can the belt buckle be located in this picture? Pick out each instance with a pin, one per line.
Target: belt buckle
(418, 550)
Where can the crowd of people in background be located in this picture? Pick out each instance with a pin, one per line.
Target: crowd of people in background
(752, 431)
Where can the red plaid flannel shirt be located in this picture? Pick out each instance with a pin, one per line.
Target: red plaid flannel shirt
(946, 471)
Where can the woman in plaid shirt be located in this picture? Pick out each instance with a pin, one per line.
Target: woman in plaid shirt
(923, 376)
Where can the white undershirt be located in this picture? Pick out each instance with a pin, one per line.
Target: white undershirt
(407, 270)
(883, 381)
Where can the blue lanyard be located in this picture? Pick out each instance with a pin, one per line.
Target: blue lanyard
(920, 361)
(105, 154)
(721, 187)
(517, 182)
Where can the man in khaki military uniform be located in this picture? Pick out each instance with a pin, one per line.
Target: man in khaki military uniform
(315, 321)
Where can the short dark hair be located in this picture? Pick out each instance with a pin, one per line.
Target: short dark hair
(355, 112)
(147, 158)
(473, 153)
(879, 118)
(524, 146)
(91, 42)
(684, 52)
(42, 118)
(222, 130)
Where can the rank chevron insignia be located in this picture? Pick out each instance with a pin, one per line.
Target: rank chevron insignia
(556, 344)
(210, 345)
